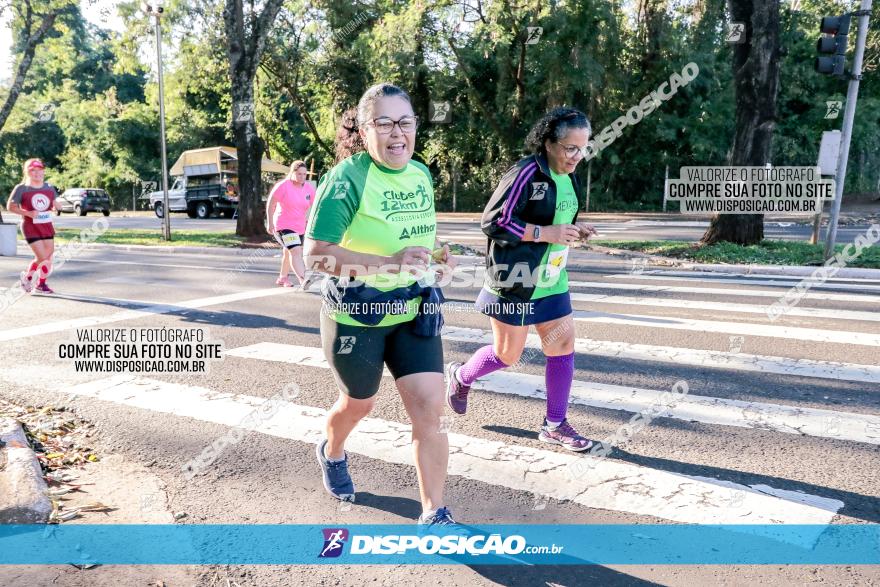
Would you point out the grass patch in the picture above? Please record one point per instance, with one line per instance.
(767, 252)
(179, 238)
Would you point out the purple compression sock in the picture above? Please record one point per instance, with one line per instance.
(558, 376)
(482, 362)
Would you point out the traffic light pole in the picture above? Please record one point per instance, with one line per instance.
(852, 95)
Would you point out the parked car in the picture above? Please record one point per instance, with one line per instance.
(81, 201)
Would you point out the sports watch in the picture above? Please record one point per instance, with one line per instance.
(536, 234)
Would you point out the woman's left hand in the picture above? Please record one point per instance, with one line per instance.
(586, 230)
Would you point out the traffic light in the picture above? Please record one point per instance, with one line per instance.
(838, 28)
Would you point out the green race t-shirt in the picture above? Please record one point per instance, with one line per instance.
(369, 208)
(554, 277)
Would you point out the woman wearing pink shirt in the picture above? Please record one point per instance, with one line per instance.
(287, 211)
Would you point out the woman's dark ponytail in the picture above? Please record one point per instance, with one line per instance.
(348, 139)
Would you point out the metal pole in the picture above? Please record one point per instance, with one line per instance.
(817, 224)
(852, 95)
(589, 178)
(665, 188)
(166, 218)
(454, 186)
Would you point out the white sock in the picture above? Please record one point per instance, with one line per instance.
(552, 425)
(326, 456)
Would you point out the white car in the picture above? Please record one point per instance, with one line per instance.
(176, 198)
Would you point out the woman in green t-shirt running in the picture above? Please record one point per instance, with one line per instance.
(373, 222)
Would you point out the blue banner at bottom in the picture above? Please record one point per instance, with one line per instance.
(623, 544)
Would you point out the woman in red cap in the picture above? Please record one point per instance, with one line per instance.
(34, 199)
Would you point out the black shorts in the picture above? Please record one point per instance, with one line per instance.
(524, 313)
(34, 239)
(288, 238)
(357, 354)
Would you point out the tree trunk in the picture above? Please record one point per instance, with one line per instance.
(756, 82)
(245, 49)
(32, 39)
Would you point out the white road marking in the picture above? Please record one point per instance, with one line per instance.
(713, 291)
(725, 307)
(781, 281)
(149, 309)
(744, 328)
(695, 357)
(708, 410)
(607, 484)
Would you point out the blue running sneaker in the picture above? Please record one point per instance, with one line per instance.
(439, 517)
(337, 481)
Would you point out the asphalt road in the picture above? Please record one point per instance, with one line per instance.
(781, 422)
(467, 232)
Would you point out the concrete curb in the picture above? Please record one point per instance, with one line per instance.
(23, 497)
(781, 270)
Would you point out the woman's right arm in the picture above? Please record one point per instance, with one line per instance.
(331, 258)
(271, 204)
(16, 208)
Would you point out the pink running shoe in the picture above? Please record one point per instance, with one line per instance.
(26, 284)
(566, 436)
(43, 288)
(283, 281)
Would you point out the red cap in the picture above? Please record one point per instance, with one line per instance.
(36, 164)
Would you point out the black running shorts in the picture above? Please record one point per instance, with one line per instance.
(357, 354)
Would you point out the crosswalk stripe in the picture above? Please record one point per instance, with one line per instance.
(744, 328)
(608, 484)
(695, 357)
(725, 307)
(719, 278)
(709, 410)
(149, 309)
(723, 291)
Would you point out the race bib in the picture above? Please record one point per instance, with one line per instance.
(556, 261)
(43, 218)
(289, 239)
